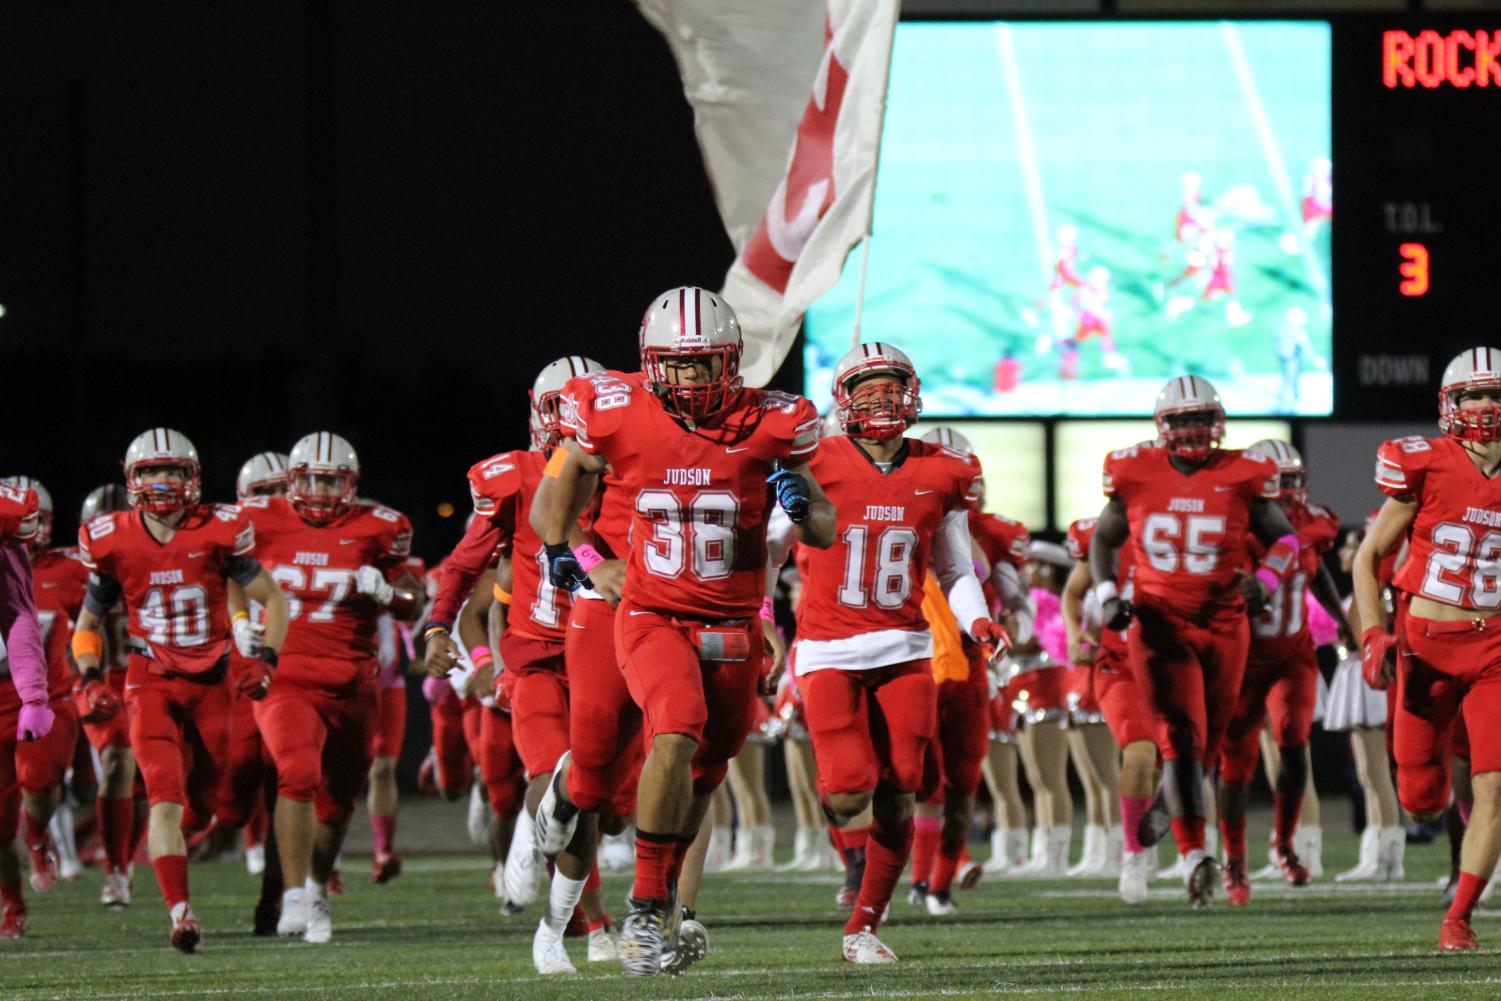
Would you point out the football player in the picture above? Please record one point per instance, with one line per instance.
(341, 563)
(1281, 682)
(19, 627)
(169, 559)
(31, 772)
(1127, 713)
(698, 451)
(121, 805)
(1444, 498)
(394, 653)
(1188, 508)
(863, 646)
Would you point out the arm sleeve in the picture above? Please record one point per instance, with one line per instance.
(102, 595)
(463, 567)
(18, 623)
(243, 569)
(955, 569)
(1400, 465)
(779, 540)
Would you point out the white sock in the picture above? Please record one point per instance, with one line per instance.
(562, 897)
(179, 911)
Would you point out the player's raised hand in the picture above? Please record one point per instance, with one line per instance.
(792, 493)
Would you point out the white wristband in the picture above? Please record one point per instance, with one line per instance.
(1103, 592)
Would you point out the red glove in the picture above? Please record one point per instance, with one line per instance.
(1376, 646)
(502, 692)
(992, 632)
(255, 680)
(97, 702)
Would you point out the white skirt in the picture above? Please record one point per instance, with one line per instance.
(1352, 702)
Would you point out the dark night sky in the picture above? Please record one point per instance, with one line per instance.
(254, 221)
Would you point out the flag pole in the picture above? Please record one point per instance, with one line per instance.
(875, 167)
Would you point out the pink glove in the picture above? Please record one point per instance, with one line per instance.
(34, 722)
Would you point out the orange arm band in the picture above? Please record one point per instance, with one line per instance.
(87, 643)
(555, 464)
(501, 594)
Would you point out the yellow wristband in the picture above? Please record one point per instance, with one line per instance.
(501, 594)
(237, 616)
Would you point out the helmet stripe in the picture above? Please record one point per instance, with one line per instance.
(698, 312)
(682, 311)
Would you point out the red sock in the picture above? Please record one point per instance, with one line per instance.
(1286, 819)
(679, 854)
(117, 820)
(591, 881)
(925, 832)
(383, 830)
(943, 873)
(1188, 832)
(654, 854)
(10, 895)
(885, 857)
(172, 877)
(1466, 896)
(603, 922)
(1133, 808)
(36, 832)
(1234, 833)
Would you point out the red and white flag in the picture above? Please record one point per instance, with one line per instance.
(788, 98)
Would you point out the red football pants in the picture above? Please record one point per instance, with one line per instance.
(248, 768)
(500, 763)
(1452, 668)
(1127, 712)
(537, 684)
(710, 702)
(179, 730)
(1283, 688)
(36, 766)
(872, 726)
(604, 723)
(450, 743)
(963, 729)
(115, 731)
(391, 722)
(317, 719)
(1190, 673)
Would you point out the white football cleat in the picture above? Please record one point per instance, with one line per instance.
(867, 950)
(320, 923)
(1136, 873)
(548, 954)
(293, 920)
(116, 890)
(602, 947)
(477, 820)
(940, 905)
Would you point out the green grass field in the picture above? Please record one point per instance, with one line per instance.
(998, 135)
(435, 933)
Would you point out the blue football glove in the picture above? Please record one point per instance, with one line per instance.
(563, 569)
(792, 494)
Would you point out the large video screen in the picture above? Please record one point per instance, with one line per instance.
(1068, 214)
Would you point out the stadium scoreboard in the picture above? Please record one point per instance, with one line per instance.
(1417, 143)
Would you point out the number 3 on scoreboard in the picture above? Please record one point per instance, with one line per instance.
(1414, 269)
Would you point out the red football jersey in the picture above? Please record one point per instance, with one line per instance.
(315, 565)
(698, 524)
(1077, 541)
(1283, 622)
(173, 590)
(503, 487)
(18, 513)
(872, 577)
(1001, 539)
(1454, 543)
(1189, 532)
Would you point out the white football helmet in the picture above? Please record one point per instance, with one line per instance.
(1290, 468)
(315, 460)
(156, 448)
(547, 393)
(692, 322)
(43, 537)
(1190, 418)
(873, 410)
(949, 438)
(263, 473)
(1475, 369)
(104, 500)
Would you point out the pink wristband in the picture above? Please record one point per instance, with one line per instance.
(588, 557)
(481, 656)
(766, 610)
(1268, 578)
